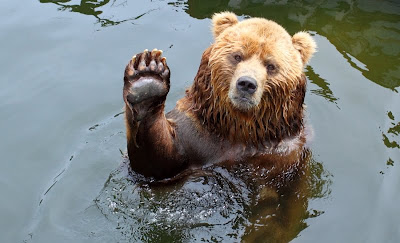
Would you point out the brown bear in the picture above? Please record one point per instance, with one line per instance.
(245, 104)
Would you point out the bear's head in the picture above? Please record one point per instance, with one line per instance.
(251, 84)
(253, 58)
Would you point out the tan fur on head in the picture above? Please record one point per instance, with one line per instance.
(221, 21)
(305, 44)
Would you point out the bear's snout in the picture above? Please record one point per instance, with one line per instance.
(244, 93)
(246, 84)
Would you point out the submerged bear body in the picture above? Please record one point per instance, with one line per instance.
(245, 104)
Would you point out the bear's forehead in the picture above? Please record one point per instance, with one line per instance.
(259, 32)
(262, 28)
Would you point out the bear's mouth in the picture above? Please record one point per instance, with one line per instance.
(244, 99)
(242, 102)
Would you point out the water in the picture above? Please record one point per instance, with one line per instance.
(62, 175)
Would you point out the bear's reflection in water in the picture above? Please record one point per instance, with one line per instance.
(216, 204)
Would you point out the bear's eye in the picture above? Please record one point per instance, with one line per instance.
(238, 57)
(270, 67)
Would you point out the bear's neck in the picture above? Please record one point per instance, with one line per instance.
(269, 123)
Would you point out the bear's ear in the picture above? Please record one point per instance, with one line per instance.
(305, 44)
(221, 21)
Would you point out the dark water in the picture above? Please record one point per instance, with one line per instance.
(62, 175)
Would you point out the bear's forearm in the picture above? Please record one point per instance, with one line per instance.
(152, 146)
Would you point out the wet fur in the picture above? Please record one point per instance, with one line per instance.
(205, 128)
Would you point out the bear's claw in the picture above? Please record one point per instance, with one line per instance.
(147, 63)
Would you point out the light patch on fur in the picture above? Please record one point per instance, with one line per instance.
(288, 145)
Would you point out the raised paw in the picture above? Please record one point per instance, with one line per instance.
(146, 83)
(147, 64)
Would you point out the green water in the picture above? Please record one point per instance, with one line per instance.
(62, 176)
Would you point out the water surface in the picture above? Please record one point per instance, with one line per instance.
(62, 175)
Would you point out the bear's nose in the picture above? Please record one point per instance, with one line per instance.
(246, 84)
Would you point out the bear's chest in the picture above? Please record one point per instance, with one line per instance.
(199, 147)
